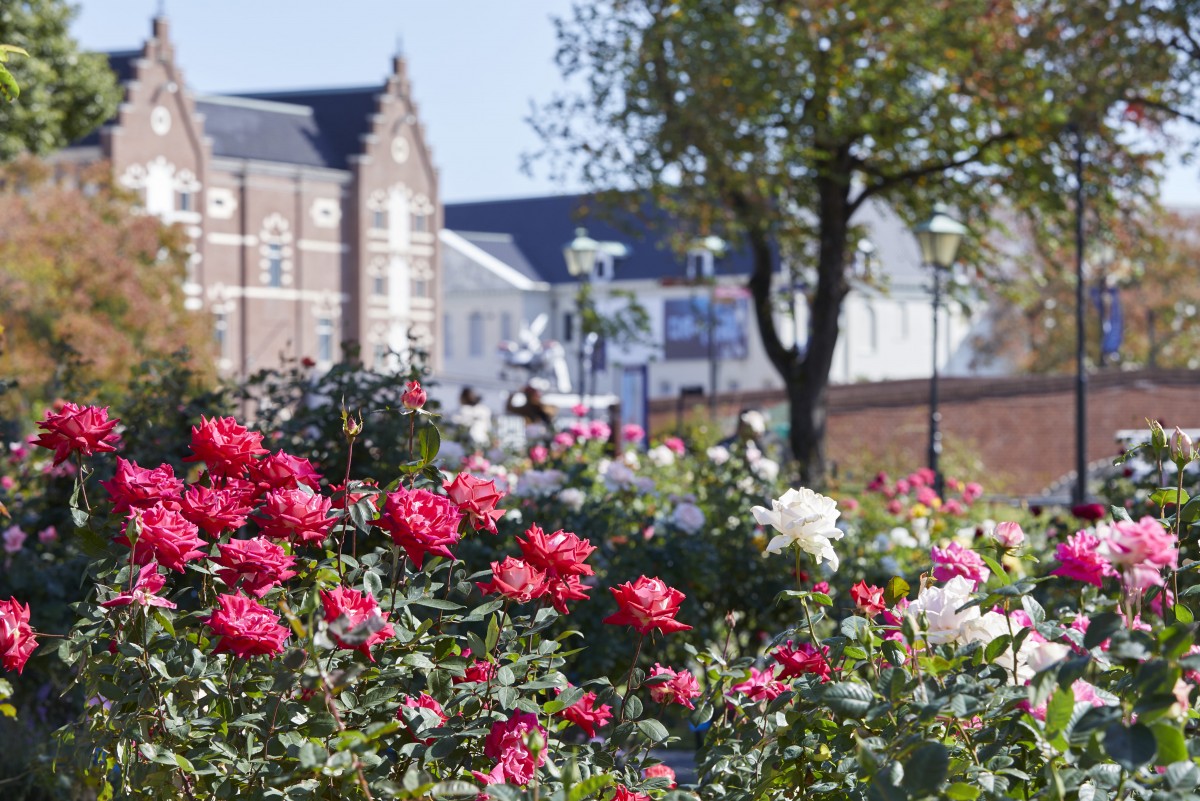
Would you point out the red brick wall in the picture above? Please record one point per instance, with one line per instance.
(1021, 427)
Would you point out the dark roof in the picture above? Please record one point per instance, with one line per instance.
(541, 226)
(253, 129)
(343, 116)
(502, 247)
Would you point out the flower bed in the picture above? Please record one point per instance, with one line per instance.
(256, 628)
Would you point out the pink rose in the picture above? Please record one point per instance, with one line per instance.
(14, 538)
(579, 410)
(297, 514)
(246, 628)
(142, 593)
(955, 560)
(214, 510)
(414, 396)
(587, 714)
(680, 687)
(805, 658)
(48, 535)
(632, 432)
(74, 429)
(675, 444)
(516, 580)
(358, 608)
(162, 535)
(1144, 541)
(598, 429)
(421, 523)
(1008, 534)
(647, 604)
(507, 744)
(538, 454)
(225, 446)
(284, 471)
(476, 500)
(17, 641)
(661, 771)
(134, 486)
(254, 565)
(423, 701)
(7, 482)
(1081, 560)
(761, 686)
(868, 599)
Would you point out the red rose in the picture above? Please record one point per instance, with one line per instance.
(225, 446)
(679, 688)
(646, 604)
(421, 522)
(414, 396)
(761, 686)
(476, 500)
(86, 430)
(295, 514)
(284, 471)
(255, 565)
(162, 535)
(625, 794)
(133, 485)
(587, 714)
(358, 608)
(515, 579)
(246, 628)
(561, 553)
(148, 582)
(565, 588)
(868, 599)
(17, 642)
(805, 658)
(507, 743)
(215, 510)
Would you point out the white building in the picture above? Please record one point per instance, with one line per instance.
(503, 266)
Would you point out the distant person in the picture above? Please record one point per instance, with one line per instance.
(474, 416)
(527, 402)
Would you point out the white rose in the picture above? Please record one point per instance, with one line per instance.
(718, 454)
(943, 622)
(804, 518)
(688, 517)
(572, 498)
(1042, 655)
(661, 456)
(766, 469)
(618, 476)
(901, 537)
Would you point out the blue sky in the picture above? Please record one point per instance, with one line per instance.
(476, 67)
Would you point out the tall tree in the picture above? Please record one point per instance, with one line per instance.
(65, 94)
(88, 288)
(773, 122)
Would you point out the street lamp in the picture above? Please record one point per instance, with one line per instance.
(581, 254)
(714, 247)
(939, 237)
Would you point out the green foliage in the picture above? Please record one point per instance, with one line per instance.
(66, 93)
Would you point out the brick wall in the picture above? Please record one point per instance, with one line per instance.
(1021, 427)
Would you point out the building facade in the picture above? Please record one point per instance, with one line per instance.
(312, 214)
(887, 321)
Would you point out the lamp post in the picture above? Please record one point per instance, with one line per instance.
(580, 254)
(715, 247)
(1079, 494)
(939, 237)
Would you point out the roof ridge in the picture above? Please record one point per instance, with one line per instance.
(256, 104)
(328, 90)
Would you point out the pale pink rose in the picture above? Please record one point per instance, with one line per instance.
(14, 538)
(1140, 542)
(1008, 534)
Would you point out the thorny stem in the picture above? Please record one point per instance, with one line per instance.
(412, 431)
(804, 602)
(346, 505)
(1178, 546)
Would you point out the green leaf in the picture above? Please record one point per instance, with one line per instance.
(590, 786)
(372, 583)
(1120, 513)
(927, 768)
(1183, 775)
(429, 441)
(653, 730)
(493, 636)
(1183, 614)
(454, 789)
(1101, 627)
(11, 91)
(996, 647)
(961, 792)
(1131, 747)
(633, 707)
(1032, 608)
(1059, 711)
(896, 589)
(997, 569)
(848, 698)
(1171, 745)
(1168, 496)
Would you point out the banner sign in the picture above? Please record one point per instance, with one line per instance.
(687, 322)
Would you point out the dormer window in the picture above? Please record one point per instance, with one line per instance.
(699, 264)
(604, 268)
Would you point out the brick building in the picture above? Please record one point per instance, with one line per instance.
(313, 214)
